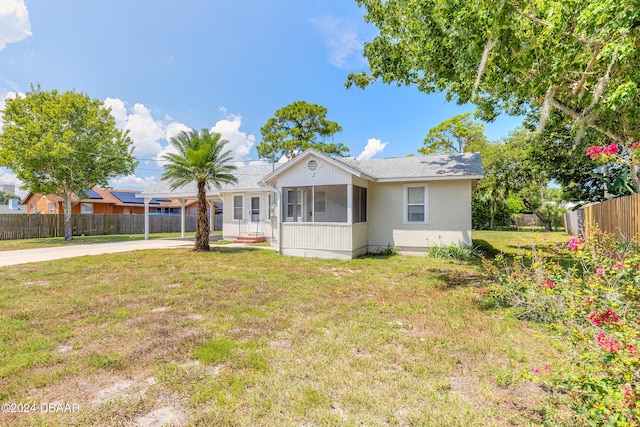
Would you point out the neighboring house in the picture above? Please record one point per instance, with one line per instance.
(98, 201)
(13, 208)
(319, 206)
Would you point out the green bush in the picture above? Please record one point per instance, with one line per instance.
(388, 251)
(593, 308)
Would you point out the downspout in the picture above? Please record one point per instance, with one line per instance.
(279, 209)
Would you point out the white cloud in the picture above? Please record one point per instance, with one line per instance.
(373, 147)
(118, 111)
(145, 131)
(240, 143)
(173, 129)
(8, 177)
(14, 22)
(133, 182)
(343, 41)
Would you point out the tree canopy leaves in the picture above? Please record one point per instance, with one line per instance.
(581, 58)
(453, 135)
(295, 128)
(64, 144)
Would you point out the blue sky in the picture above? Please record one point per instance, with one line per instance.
(164, 66)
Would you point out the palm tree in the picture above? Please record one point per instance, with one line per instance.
(200, 159)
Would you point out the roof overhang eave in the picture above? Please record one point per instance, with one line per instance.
(431, 178)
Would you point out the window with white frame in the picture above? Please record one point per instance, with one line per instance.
(52, 208)
(297, 202)
(415, 204)
(86, 208)
(238, 204)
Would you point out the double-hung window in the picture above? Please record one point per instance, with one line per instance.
(86, 208)
(238, 203)
(415, 204)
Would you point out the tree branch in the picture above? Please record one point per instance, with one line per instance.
(586, 72)
(536, 20)
(577, 115)
(531, 17)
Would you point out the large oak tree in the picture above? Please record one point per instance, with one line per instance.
(579, 57)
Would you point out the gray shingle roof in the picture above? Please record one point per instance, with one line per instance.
(416, 167)
(390, 169)
(248, 178)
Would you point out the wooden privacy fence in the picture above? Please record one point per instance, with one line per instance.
(24, 226)
(620, 217)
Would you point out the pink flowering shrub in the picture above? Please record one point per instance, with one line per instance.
(613, 153)
(610, 149)
(594, 152)
(593, 308)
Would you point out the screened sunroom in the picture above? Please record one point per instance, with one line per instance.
(324, 204)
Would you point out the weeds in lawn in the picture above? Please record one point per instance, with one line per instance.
(246, 337)
(454, 252)
(388, 251)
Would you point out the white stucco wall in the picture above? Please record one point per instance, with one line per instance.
(449, 216)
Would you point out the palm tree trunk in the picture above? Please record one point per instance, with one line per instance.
(202, 220)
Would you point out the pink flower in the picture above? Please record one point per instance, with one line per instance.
(538, 369)
(628, 395)
(589, 300)
(633, 349)
(575, 244)
(600, 271)
(607, 317)
(609, 344)
(635, 145)
(549, 284)
(611, 149)
(594, 152)
(618, 265)
(482, 291)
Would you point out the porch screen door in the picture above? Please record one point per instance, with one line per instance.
(254, 215)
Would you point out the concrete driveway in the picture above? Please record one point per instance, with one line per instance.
(25, 256)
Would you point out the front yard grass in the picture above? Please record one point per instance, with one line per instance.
(241, 337)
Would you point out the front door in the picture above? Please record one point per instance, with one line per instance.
(254, 215)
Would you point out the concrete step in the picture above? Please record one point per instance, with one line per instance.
(250, 239)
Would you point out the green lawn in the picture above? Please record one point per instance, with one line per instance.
(242, 337)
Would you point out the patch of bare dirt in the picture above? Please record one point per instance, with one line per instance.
(522, 399)
(166, 416)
